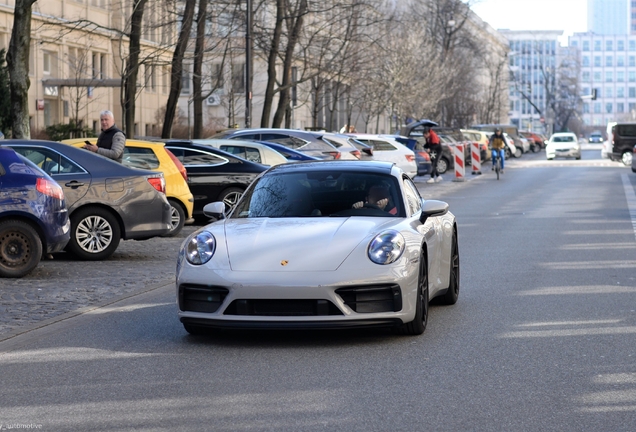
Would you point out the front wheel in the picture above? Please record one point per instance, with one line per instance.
(627, 158)
(230, 197)
(20, 248)
(418, 325)
(95, 234)
(518, 153)
(442, 165)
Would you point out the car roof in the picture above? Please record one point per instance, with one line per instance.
(337, 165)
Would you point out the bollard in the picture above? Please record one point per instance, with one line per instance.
(458, 153)
(475, 157)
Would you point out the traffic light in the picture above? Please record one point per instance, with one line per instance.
(594, 94)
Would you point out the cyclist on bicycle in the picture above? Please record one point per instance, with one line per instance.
(497, 143)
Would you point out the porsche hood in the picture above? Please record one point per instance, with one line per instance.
(295, 244)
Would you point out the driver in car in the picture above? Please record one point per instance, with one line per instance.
(378, 197)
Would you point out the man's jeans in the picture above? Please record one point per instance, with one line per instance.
(502, 155)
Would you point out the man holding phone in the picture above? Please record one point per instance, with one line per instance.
(111, 141)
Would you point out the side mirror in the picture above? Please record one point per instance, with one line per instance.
(215, 210)
(433, 208)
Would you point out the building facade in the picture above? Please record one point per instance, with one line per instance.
(610, 17)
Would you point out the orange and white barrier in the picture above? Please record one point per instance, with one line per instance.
(458, 154)
(475, 157)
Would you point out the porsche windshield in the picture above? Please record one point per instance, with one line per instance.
(321, 194)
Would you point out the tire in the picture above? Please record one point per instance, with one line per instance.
(20, 248)
(518, 153)
(451, 296)
(508, 153)
(177, 219)
(194, 330)
(95, 234)
(626, 158)
(418, 325)
(230, 197)
(442, 165)
(536, 148)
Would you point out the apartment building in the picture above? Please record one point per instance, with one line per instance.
(77, 60)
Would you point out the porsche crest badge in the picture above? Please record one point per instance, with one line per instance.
(284, 262)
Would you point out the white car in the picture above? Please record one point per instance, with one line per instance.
(388, 149)
(563, 144)
(321, 244)
(253, 152)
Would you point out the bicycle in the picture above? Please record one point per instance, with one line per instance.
(497, 164)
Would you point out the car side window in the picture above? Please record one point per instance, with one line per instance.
(286, 140)
(251, 154)
(249, 137)
(382, 145)
(194, 157)
(49, 161)
(413, 197)
(139, 157)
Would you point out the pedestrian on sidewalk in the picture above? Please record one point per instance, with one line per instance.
(111, 141)
(434, 148)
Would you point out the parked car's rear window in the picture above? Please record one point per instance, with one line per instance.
(139, 157)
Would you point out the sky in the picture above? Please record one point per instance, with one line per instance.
(567, 15)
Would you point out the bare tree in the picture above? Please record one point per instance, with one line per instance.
(18, 65)
(132, 68)
(199, 51)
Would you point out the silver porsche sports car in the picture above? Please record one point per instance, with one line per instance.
(321, 244)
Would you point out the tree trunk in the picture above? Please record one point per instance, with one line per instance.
(271, 63)
(18, 65)
(132, 69)
(197, 97)
(296, 26)
(177, 69)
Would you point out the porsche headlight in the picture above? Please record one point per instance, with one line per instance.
(386, 248)
(200, 248)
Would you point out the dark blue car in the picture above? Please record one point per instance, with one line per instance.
(33, 215)
(289, 153)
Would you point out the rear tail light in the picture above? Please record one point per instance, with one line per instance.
(335, 155)
(424, 155)
(410, 157)
(356, 153)
(179, 165)
(158, 182)
(49, 188)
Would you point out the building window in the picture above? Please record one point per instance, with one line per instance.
(586, 108)
(631, 106)
(620, 45)
(620, 92)
(597, 107)
(238, 78)
(597, 45)
(586, 61)
(609, 61)
(218, 81)
(620, 76)
(185, 80)
(632, 45)
(46, 63)
(597, 76)
(608, 107)
(620, 61)
(632, 92)
(586, 77)
(632, 76)
(609, 45)
(620, 107)
(586, 45)
(597, 61)
(608, 92)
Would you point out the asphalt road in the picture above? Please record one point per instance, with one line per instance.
(542, 338)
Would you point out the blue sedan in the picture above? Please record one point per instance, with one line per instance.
(33, 215)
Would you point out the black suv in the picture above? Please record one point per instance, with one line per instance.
(623, 141)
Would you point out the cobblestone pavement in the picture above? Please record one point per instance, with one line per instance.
(63, 284)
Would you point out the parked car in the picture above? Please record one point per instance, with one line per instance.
(422, 157)
(512, 151)
(595, 137)
(290, 154)
(563, 144)
(248, 150)
(33, 215)
(481, 138)
(107, 201)
(305, 252)
(347, 150)
(214, 175)
(634, 160)
(388, 149)
(537, 142)
(622, 142)
(521, 144)
(154, 156)
(307, 142)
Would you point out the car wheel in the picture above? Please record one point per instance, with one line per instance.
(418, 325)
(451, 296)
(20, 248)
(578, 157)
(230, 197)
(627, 158)
(508, 153)
(194, 330)
(518, 153)
(177, 219)
(442, 165)
(95, 234)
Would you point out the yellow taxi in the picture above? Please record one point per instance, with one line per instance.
(154, 156)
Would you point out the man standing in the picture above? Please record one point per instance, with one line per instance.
(435, 149)
(111, 141)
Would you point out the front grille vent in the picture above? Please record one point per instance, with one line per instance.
(201, 298)
(372, 298)
(284, 307)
